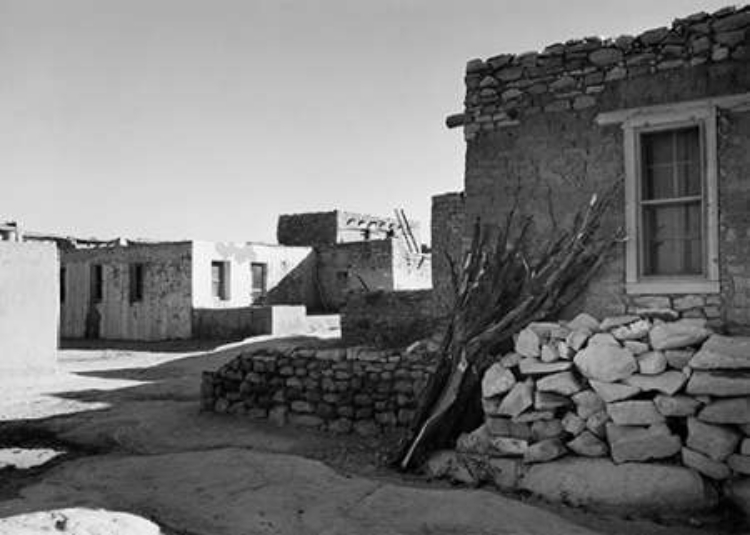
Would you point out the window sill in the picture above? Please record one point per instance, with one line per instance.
(656, 287)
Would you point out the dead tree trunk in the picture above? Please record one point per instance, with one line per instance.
(503, 285)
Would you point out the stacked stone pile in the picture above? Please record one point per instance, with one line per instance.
(336, 389)
(645, 387)
(572, 75)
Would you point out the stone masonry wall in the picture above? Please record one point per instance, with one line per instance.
(530, 125)
(334, 389)
(627, 389)
(448, 227)
(388, 319)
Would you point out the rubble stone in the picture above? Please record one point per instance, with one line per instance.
(597, 423)
(727, 411)
(497, 380)
(587, 403)
(617, 321)
(545, 451)
(706, 466)
(531, 366)
(652, 363)
(606, 363)
(549, 353)
(563, 383)
(631, 443)
(588, 445)
(603, 339)
(719, 383)
(528, 343)
(718, 442)
(739, 464)
(584, 321)
(610, 392)
(549, 401)
(678, 358)
(723, 352)
(636, 347)
(573, 424)
(668, 382)
(543, 429)
(677, 334)
(520, 398)
(634, 412)
(578, 338)
(634, 331)
(676, 405)
(508, 446)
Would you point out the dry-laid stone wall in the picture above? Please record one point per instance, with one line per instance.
(342, 390)
(573, 75)
(634, 388)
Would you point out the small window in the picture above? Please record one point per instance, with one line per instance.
(672, 203)
(220, 280)
(260, 281)
(97, 283)
(63, 284)
(135, 276)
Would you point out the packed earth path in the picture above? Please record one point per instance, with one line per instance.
(136, 444)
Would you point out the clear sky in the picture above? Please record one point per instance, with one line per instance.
(176, 119)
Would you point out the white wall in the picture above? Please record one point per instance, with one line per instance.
(29, 306)
(281, 262)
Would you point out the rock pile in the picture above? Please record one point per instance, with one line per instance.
(634, 388)
(573, 75)
(335, 389)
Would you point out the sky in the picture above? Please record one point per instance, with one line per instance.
(187, 119)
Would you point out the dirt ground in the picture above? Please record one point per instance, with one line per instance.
(128, 417)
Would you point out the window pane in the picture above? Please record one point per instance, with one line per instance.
(671, 163)
(673, 243)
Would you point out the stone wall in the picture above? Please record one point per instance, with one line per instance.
(335, 389)
(309, 229)
(530, 125)
(627, 389)
(389, 319)
(448, 229)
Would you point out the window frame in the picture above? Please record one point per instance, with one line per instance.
(136, 282)
(224, 293)
(259, 295)
(663, 120)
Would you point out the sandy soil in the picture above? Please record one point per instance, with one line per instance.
(138, 444)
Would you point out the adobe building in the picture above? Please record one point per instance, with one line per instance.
(667, 113)
(359, 253)
(178, 290)
(29, 306)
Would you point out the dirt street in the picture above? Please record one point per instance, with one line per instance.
(137, 443)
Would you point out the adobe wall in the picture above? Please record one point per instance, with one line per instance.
(388, 319)
(308, 229)
(289, 272)
(531, 134)
(355, 267)
(29, 307)
(448, 229)
(335, 389)
(165, 311)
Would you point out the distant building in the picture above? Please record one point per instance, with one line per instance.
(163, 290)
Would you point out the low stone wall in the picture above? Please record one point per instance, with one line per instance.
(630, 389)
(388, 319)
(225, 323)
(335, 389)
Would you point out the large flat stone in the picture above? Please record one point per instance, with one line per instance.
(610, 392)
(497, 380)
(520, 398)
(669, 382)
(705, 465)
(617, 321)
(632, 443)
(532, 366)
(719, 383)
(677, 334)
(606, 363)
(727, 411)
(549, 401)
(505, 427)
(633, 486)
(676, 405)
(723, 352)
(716, 441)
(641, 412)
(563, 383)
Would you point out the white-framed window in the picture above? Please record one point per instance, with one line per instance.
(671, 197)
